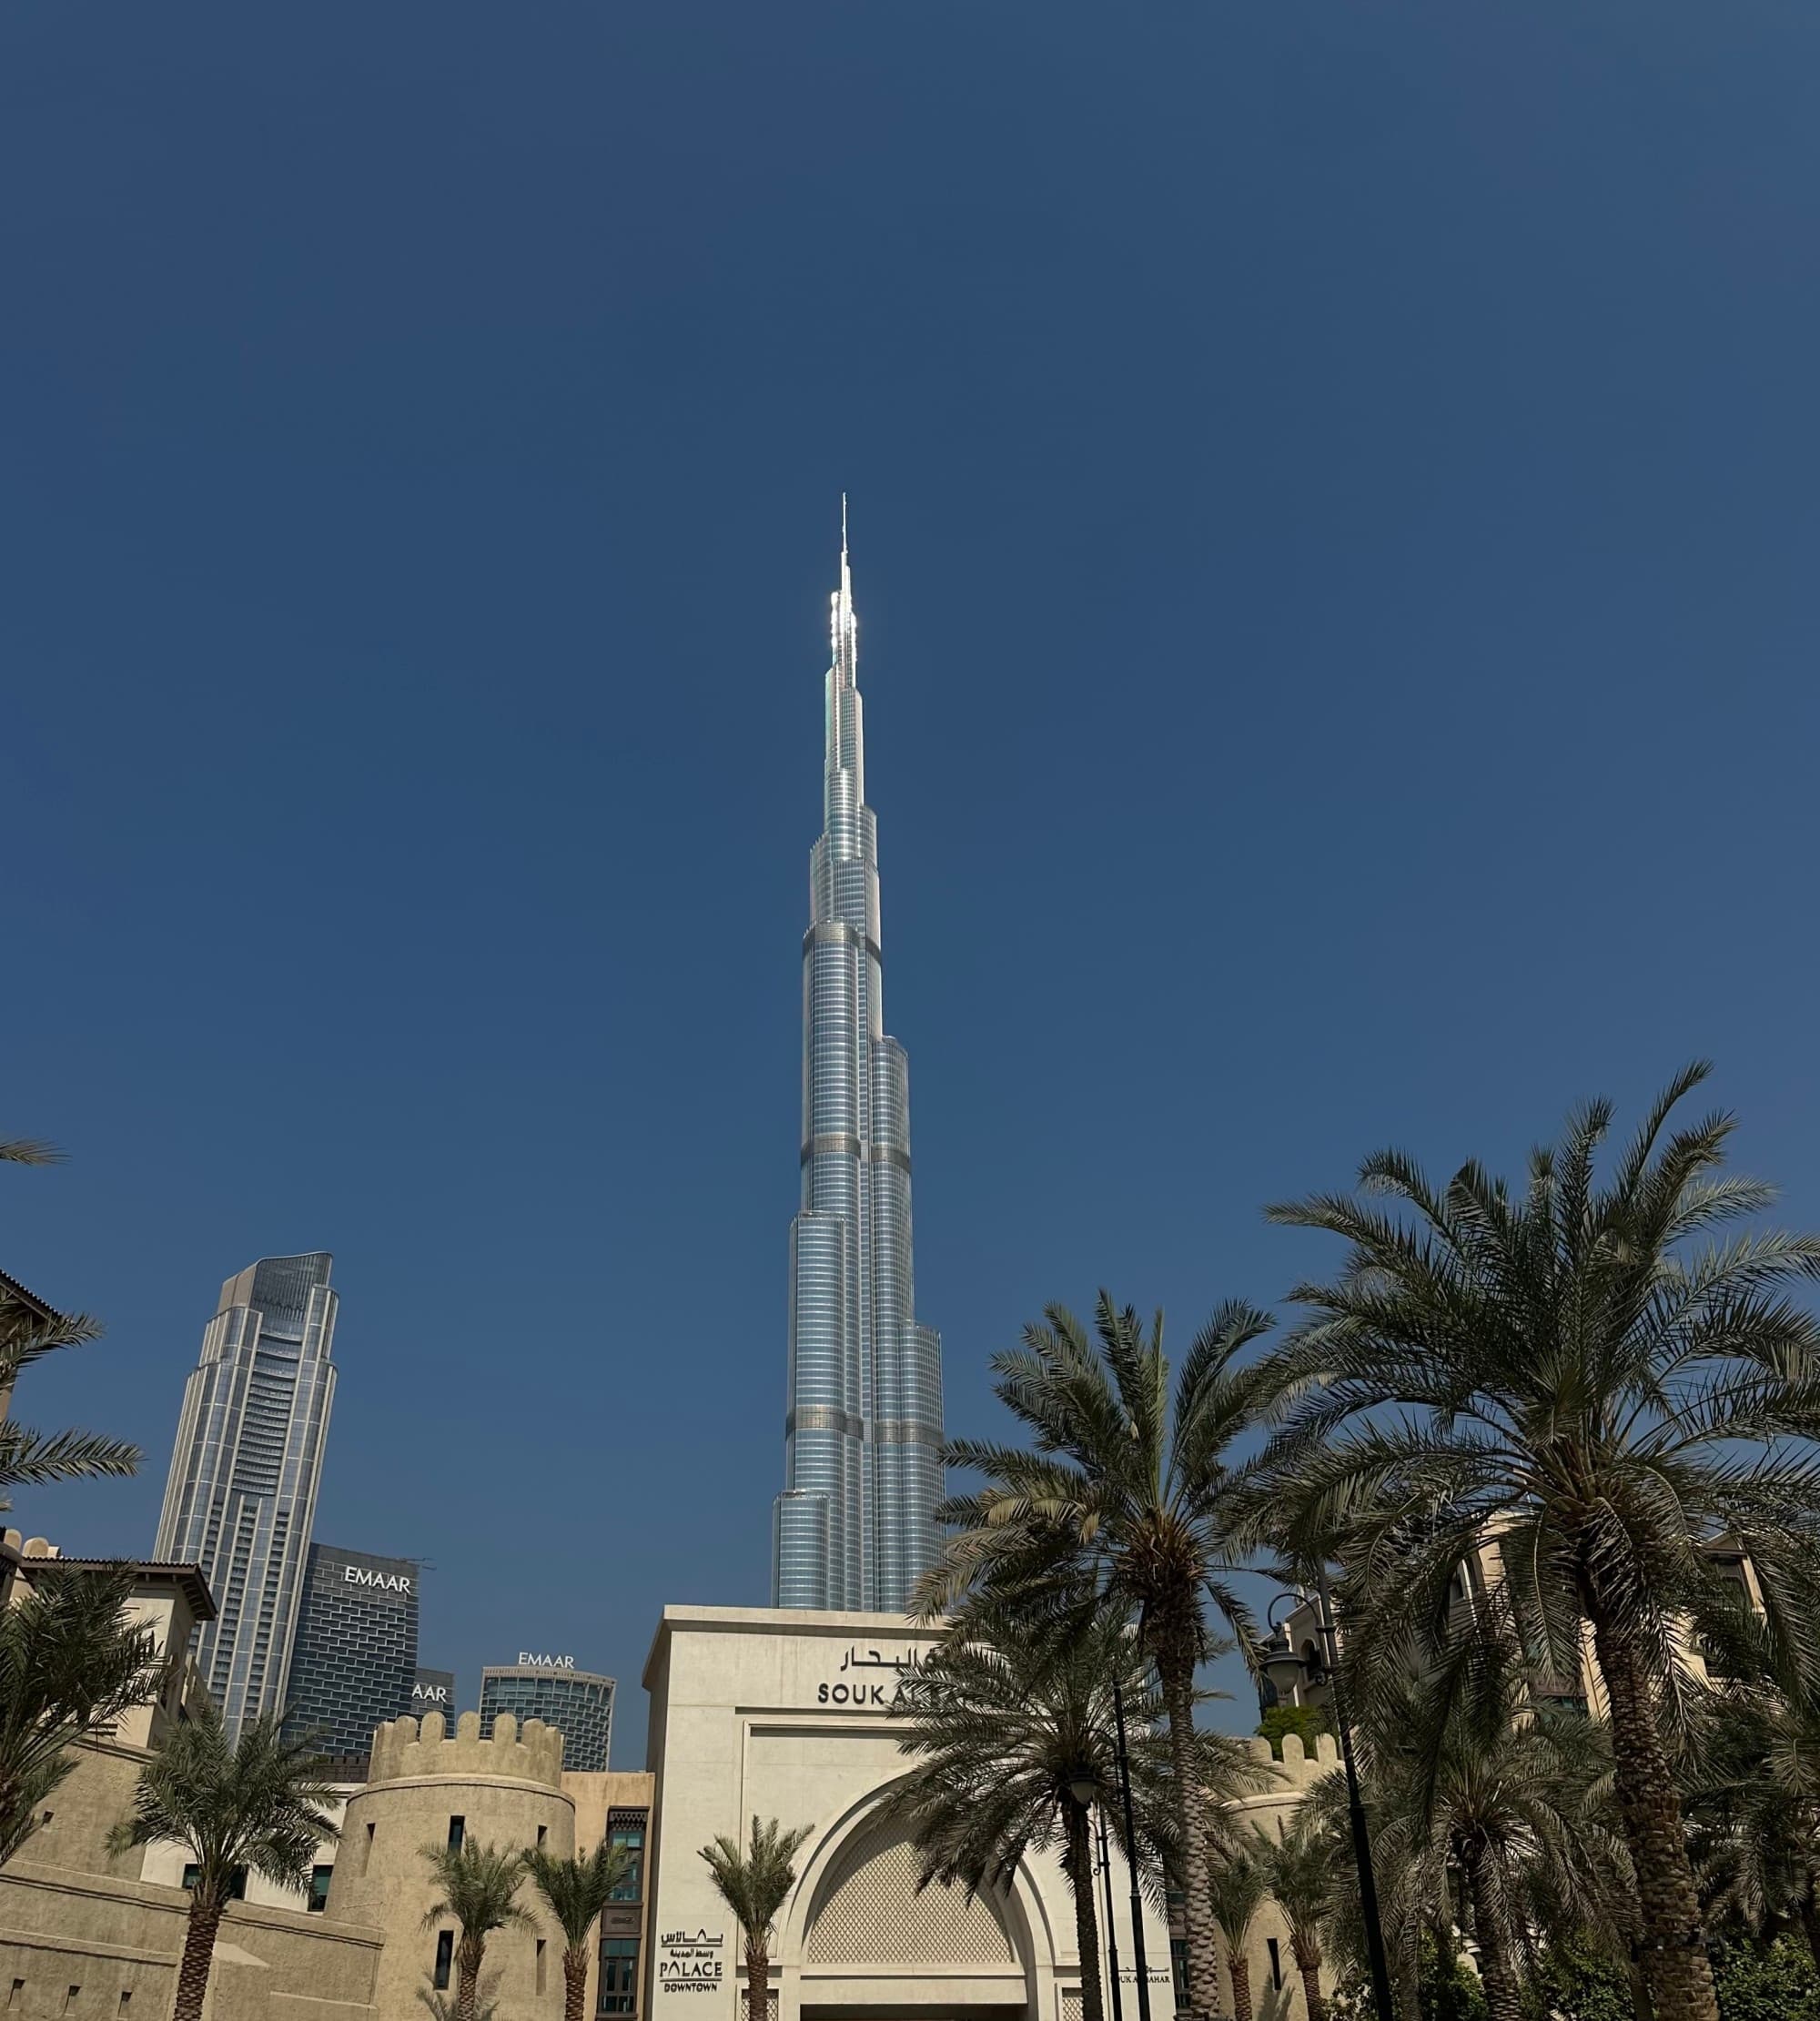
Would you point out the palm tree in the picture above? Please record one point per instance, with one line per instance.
(1753, 1786)
(1300, 1869)
(575, 1892)
(1237, 1889)
(246, 1806)
(753, 1883)
(30, 1329)
(71, 1663)
(1125, 1496)
(1470, 1774)
(1014, 1731)
(1568, 1375)
(441, 2007)
(479, 1885)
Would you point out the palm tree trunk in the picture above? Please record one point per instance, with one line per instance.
(1078, 1864)
(757, 1983)
(574, 1982)
(471, 1954)
(198, 1955)
(1175, 1671)
(1503, 2001)
(1307, 1963)
(1680, 1978)
(1240, 1966)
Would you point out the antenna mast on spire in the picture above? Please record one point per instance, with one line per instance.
(841, 626)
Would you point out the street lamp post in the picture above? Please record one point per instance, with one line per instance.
(1111, 1927)
(1355, 1805)
(1138, 1960)
(1087, 1792)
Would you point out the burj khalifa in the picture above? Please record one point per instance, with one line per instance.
(854, 1526)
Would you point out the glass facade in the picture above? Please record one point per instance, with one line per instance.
(854, 1526)
(578, 1703)
(354, 1661)
(240, 1501)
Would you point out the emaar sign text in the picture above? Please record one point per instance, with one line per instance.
(387, 1582)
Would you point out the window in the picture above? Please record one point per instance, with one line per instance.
(125, 1999)
(318, 1888)
(1275, 1949)
(542, 1834)
(540, 1967)
(71, 1997)
(629, 1831)
(367, 1850)
(619, 1976)
(1178, 1971)
(12, 1998)
(236, 1887)
(458, 1831)
(445, 1957)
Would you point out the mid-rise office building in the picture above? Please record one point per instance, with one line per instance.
(354, 1663)
(855, 1524)
(433, 1690)
(577, 1702)
(241, 1497)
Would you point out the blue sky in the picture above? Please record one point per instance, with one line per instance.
(1334, 514)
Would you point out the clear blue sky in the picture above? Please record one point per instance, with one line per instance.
(1334, 517)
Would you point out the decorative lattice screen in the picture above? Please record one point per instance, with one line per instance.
(876, 1916)
(1071, 2003)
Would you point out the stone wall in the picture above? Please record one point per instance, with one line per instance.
(507, 1791)
(99, 1948)
(1273, 1810)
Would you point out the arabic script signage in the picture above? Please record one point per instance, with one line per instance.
(690, 1961)
(860, 1693)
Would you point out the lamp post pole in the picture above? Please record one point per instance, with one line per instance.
(1111, 1927)
(1355, 1805)
(1138, 1960)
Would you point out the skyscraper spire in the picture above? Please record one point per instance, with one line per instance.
(843, 629)
(854, 1526)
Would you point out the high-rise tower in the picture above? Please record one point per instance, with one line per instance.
(854, 1526)
(241, 1495)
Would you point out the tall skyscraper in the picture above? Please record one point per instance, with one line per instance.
(855, 1525)
(242, 1496)
(354, 1661)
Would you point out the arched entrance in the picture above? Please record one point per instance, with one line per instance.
(861, 1943)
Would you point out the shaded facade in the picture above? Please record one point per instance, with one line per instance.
(353, 1665)
(854, 1526)
(240, 1501)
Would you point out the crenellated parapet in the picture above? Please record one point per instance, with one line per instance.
(410, 1749)
(1298, 1768)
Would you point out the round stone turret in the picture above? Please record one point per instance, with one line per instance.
(427, 1788)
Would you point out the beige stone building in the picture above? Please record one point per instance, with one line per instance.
(760, 1711)
(89, 1934)
(787, 1715)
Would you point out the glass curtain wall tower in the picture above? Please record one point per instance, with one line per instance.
(241, 1497)
(855, 1525)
